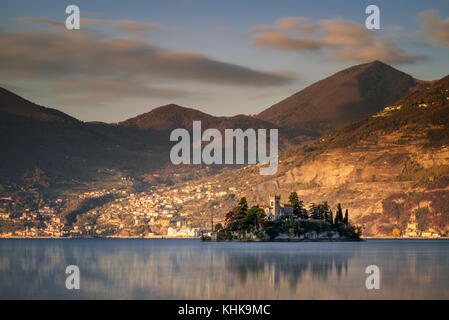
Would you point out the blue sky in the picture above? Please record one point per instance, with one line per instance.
(210, 55)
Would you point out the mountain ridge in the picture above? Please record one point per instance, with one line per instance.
(341, 98)
(45, 138)
(14, 105)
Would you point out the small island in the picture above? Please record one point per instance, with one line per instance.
(291, 222)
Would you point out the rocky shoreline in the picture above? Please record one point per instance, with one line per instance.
(311, 236)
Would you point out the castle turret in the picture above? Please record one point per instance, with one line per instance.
(275, 206)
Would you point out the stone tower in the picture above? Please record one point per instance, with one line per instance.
(275, 206)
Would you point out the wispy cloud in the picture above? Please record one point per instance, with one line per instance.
(435, 27)
(90, 69)
(42, 20)
(131, 27)
(301, 25)
(347, 40)
(85, 92)
(62, 54)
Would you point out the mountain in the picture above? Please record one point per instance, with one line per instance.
(12, 105)
(42, 146)
(43, 142)
(172, 116)
(168, 118)
(383, 168)
(344, 97)
(45, 147)
(326, 105)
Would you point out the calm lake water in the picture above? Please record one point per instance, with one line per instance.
(190, 269)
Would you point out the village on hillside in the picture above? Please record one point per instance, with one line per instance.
(181, 211)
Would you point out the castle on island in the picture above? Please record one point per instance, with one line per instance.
(274, 210)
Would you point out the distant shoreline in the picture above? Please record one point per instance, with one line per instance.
(159, 237)
(199, 238)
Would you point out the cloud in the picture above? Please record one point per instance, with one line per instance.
(346, 40)
(341, 33)
(42, 20)
(435, 27)
(128, 26)
(300, 25)
(281, 41)
(61, 55)
(98, 91)
(354, 42)
(383, 51)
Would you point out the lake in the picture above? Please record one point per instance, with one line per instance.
(190, 269)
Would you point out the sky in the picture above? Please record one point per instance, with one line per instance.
(220, 57)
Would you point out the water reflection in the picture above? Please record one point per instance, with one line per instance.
(293, 266)
(189, 269)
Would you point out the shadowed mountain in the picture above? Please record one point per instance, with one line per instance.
(12, 105)
(44, 144)
(172, 116)
(168, 118)
(344, 97)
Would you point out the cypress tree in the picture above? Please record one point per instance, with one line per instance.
(293, 198)
(242, 206)
(315, 211)
(339, 215)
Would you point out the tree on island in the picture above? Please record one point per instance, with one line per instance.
(331, 218)
(243, 205)
(346, 219)
(320, 211)
(240, 213)
(243, 219)
(293, 199)
(299, 211)
(324, 210)
(339, 214)
(314, 211)
(230, 222)
(254, 219)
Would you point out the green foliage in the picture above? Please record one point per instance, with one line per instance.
(254, 219)
(339, 214)
(346, 218)
(320, 211)
(243, 205)
(330, 219)
(243, 220)
(299, 211)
